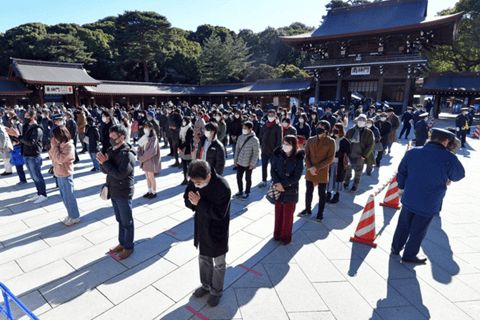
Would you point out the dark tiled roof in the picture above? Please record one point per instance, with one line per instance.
(43, 72)
(276, 86)
(373, 18)
(12, 86)
(143, 88)
(453, 82)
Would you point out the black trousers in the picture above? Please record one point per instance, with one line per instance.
(462, 135)
(407, 128)
(240, 171)
(185, 164)
(321, 195)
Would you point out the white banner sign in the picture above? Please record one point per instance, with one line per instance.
(360, 71)
(58, 90)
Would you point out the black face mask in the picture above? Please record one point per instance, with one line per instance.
(335, 131)
(113, 142)
(320, 131)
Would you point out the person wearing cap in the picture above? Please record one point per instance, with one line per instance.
(425, 185)
(407, 119)
(421, 130)
(371, 112)
(361, 152)
(395, 122)
(417, 113)
(461, 124)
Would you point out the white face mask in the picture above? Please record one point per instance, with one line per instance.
(201, 186)
(283, 113)
(104, 119)
(383, 118)
(225, 117)
(237, 116)
(314, 116)
(184, 123)
(271, 119)
(245, 131)
(208, 134)
(287, 148)
(301, 120)
(369, 125)
(146, 131)
(218, 118)
(285, 124)
(61, 123)
(361, 124)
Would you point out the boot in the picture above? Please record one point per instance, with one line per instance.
(329, 195)
(335, 198)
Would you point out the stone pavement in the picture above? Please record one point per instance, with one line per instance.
(64, 273)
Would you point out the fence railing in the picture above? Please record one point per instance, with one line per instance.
(6, 310)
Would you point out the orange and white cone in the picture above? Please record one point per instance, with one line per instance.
(366, 227)
(476, 135)
(392, 199)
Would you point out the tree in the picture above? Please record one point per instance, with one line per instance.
(464, 54)
(290, 71)
(223, 61)
(140, 38)
(206, 30)
(62, 48)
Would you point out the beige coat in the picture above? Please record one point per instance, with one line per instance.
(149, 156)
(62, 156)
(319, 153)
(393, 119)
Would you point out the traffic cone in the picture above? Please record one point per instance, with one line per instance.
(366, 227)
(476, 135)
(392, 199)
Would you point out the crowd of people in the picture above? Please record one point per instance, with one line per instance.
(293, 142)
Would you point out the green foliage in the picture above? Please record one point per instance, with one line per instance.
(62, 48)
(205, 31)
(464, 54)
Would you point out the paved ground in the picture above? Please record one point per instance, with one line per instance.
(63, 273)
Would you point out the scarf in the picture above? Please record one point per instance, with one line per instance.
(270, 124)
(356, 136)
(143, 141)
(183, 131)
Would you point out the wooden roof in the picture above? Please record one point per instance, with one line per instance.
(12, 86)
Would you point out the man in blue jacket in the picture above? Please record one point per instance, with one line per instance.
(424, 174)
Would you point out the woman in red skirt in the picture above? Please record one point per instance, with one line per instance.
(287, 169)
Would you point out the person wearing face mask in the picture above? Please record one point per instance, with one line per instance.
(208, 196)
(185, 148)
(421, 130)
(371, 112)
(31, 141)
(462, 127)
(395, 122)
(314, 119)
(71, 126)
(303, 130)
(362, 142)
(156, 125)
(81, 123)
(199, 126)
(270, 139)
(5, 147)
(164, 127)
(407, 119)
(148, 155)
(246, 157)
(107, 124)
(210, 149)
(286, 171)
(259, 112)
(288, 129)
(377, 147)
(119, 166)
(328, 116)
(174, 124)
(417, 113)
(319, 154)
(385, 129)
(93, 135)
(222, 130)
(235, 131)
(337, 168)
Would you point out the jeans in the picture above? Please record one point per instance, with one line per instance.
(356, 165)
(93, 156)
(34, 165)
(411, 230)
(240, 171)
(321, 195)
(21, 173)
(265, 160)
(212, 276)
(65, 184)
(234, 146)
(123, 215)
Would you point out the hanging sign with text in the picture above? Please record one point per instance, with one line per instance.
(56, 90)
(360, 71)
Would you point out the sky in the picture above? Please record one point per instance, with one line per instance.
(255, 15)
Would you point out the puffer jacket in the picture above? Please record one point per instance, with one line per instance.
(247, 155)
(270, 138)
(120, 171)
(215, 154)
(288, 173)
(62, 156)
(16, 153)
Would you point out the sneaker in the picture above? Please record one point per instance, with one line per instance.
(345, 185)
(354, 189)
(262, 184)
(200, 292)
(152, 196)
(6, 173)
(213, 300)
(184, 182)
(94, 169)
(238, 194)
(146, 195)
(305, 212)
(70, 222)
(244, 197)
(40, 199)
(21, 183)
(34, 198)
(319, 219)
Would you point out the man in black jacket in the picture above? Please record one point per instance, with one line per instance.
(421, 130)
(462, 126)
(407, 118)
(118, 164)
(271, 137)
(32, 145)
(210, 149)
(72, 128)
(208, 195)
(385, 128)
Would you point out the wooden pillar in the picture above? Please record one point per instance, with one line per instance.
(408, 92)
(338, 95)
(143, 102)
(75, 89)
(111, 100)
(317, 91)
(436, 105)
(380, 88)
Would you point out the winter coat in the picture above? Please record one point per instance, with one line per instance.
(247, 155)
(186, 145)
(176, 122)
(395, 121)
(149, 155)
(461, 121)
(421, 133)
(215, 154)
(120, 171)
(235, 128)
(367, 142)
(62, 156)
(305, 131)
(222, 130)
(5, 142)
(290, 131)
(287, 172)
(81, 122)
(319, 153)
(212, 215)
(406, 117)
(106, 137)
(32, 141)
(344, 149)
(16, 156)
(270, 138)
(385, 129)
(424, 173)
(72, 129)
(93, 138)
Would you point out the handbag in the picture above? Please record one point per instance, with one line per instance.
(272, 193)
(104, 193)
(378, 146)
(345, 161)
(86, 140)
